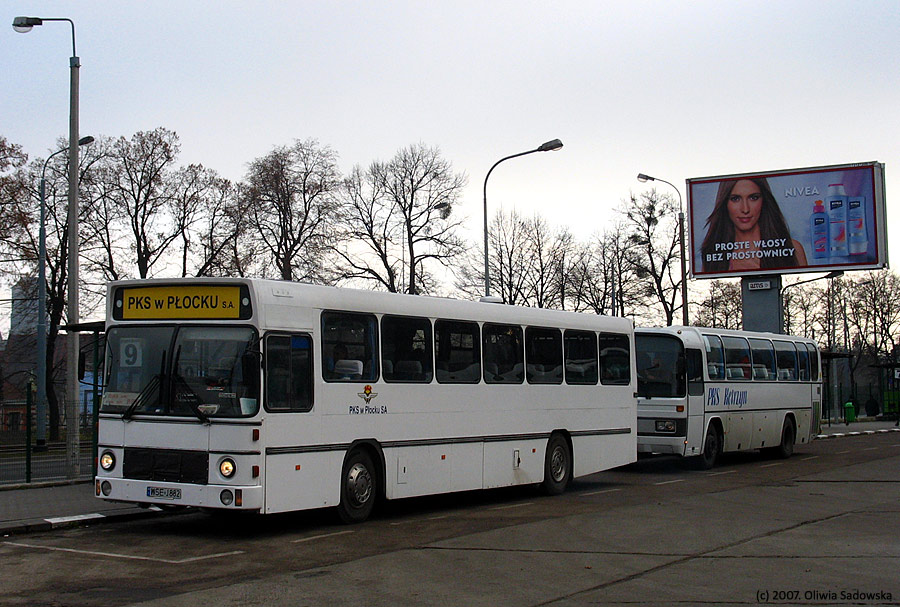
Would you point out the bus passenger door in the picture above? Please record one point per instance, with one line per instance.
(695, 405)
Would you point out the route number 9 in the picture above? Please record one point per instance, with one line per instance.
(130, 353)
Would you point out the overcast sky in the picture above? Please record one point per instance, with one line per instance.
(673, 89)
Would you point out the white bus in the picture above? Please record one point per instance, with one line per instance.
(273, 396)
(702, 392)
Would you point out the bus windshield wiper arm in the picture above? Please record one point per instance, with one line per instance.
(144, 394)
(181, 387)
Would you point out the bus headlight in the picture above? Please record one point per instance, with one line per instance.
(107, 461)
(227, 467)
(665, 425)
(226, 497)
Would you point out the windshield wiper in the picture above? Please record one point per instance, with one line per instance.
(144, 395)
(183, 393)
(181, 389)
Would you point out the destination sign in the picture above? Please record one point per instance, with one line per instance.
(206, 302)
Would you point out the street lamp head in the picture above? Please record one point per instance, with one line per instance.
(645, 178)
(23, 25)
(86, 140)
(550, 146)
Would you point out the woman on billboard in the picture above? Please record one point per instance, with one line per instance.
(747, 230)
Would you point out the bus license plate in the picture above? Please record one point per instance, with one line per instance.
(164, 493)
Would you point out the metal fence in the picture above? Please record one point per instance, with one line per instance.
(22, 460)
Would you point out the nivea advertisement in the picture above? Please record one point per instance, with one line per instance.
(784, 222)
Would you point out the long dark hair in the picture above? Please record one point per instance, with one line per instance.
(721, 229)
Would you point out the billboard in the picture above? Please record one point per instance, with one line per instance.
(784, 222)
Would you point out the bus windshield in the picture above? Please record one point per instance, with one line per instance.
(186, 371)
(660, 366)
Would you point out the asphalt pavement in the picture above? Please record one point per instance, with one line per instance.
(46, 506)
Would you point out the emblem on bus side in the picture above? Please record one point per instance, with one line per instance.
(367, 394)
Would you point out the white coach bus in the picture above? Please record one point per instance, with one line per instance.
(273, 396)
(702, 392)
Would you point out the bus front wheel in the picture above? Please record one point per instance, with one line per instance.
(359, 488)
(712, 445)
(557, 466)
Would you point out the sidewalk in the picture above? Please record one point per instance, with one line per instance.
(864, 425)
(45, 506)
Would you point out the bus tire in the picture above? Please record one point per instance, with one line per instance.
(359, 487)
(712, 447)
(557, 465)
(788, 438)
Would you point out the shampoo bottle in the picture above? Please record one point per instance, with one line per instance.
(856, 225)
(818, 231)
(836, 202)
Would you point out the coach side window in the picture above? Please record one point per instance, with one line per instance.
(803, 356)
(615, 359)
(580, 357)
(543, 356)
(288, 373)
(349, 347)
(715, 358)
(763, 359)
(786, 356)
(406, 349)
(813, 362)
(457, 349)
(503, 354)
(737, 358)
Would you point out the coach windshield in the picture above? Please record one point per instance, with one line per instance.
(198, 371)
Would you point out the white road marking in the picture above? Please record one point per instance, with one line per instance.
(677, 480)
(806, 459)
(598, 492)
(772, 464)
(318, 537)
(511, 506)
(126, 556)
(721, 473)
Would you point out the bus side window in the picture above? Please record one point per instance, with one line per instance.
(349, 347)
(458, 352)
(288, 373)
(615, 359)
(503, 354)
(694, 360)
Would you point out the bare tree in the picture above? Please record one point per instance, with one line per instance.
(421, 187)
(721, 308)
(292, 202)
(650, 222)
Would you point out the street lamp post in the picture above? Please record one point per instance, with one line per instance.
(684, 297)
(41, 404)
(549, 146)
(24, 25)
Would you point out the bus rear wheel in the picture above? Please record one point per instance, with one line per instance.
(359, 488)
(557, 466)
(786, 448)
(712, 446)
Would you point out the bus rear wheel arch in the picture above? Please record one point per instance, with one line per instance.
(788, 438)
(557, 464)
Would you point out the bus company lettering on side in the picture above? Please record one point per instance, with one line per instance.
(732, 398)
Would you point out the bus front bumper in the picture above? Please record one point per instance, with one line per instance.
(231, 497)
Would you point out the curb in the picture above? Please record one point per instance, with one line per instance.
(78, 520)
(859, 433)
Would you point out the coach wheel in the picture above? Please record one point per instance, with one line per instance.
(786, 448)
(359, 484)
(712, 444)
(557, 466)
